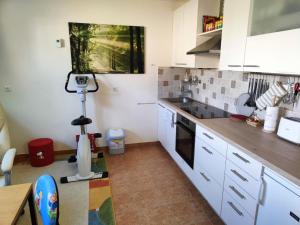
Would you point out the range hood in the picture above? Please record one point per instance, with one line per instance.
(211, 46)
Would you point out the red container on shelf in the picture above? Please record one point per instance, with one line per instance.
(41, 152)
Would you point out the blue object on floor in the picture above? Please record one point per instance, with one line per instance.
(46, 199)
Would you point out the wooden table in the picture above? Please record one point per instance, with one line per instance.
(12, 202)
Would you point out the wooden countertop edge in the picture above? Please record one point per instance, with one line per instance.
(264, 162)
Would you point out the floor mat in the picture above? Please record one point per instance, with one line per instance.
(100, 199)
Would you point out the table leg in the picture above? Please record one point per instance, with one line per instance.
(32, 209)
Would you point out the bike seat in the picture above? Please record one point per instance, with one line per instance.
(81, 121)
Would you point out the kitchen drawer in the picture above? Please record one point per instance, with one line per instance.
(210, 160)
(241, 196)
(243, 179)
(233, 213)
(245, 162)
(213, 140)
(209, 188)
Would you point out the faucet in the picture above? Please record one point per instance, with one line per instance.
(185, 91)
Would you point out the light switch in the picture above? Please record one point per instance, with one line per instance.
(60, 43)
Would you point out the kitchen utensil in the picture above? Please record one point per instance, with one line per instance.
(251, 102)
(288, 99)
(296, 91)
(277, 90)
(241, 107)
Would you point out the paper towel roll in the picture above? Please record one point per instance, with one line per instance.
(271, 119)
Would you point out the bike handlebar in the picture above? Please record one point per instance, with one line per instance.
(74, 91)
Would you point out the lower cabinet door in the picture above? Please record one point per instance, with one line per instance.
(209, 188)
(233, 213)
(280, 206)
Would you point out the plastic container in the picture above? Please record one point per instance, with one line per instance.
(116, 141)
(41, 152)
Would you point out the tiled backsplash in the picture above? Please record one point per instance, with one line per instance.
(217, 88)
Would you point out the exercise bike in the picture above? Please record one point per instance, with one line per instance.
(84, 153)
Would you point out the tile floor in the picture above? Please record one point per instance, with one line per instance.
(149, 188)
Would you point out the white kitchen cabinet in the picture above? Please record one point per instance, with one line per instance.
(162, 123)
(170, 131)
(209, 188)
(273, 39)
(233, 213)
(274, 52)
(234, 35)
(184, 34)
(213, 140)
(280, 203)
(207, 157)
(166, 128)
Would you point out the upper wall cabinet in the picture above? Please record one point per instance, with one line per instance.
(187, 23)
(273, 44)
(236, 14)
(261, 36)
(184, 34)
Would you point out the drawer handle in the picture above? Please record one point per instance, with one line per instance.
(294, 216)
(208, 151)
(210, 137)
(235, 209)
(251, 66)
(237, 192)
(161, 106)
(234, 66)
(180, 64)
(239, 175)
(205, 177)
(241, 157)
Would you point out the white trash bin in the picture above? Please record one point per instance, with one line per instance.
(116, 141)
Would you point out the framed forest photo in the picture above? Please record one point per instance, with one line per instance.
(102, 48)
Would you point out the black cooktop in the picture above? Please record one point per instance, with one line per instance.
(199, 109)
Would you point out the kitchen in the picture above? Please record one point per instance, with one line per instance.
(242, 156)
(187, 112)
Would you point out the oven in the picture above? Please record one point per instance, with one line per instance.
(185, 139)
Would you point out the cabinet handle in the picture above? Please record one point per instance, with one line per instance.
(208, 151)
(205, 177)
(262, 191)
(294, 216)
(161, 106)
(210, 137)
(173, 122)
(234, 66)
(251, 65)
(239, 175)
(241, 157)
(237, 192)
(235, 209)
(180, 64)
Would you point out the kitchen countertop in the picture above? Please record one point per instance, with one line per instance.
(277, 154)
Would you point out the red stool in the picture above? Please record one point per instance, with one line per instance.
(41, 152)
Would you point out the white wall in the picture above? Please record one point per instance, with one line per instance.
(36, 70)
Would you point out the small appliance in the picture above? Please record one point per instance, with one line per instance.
(289, 129)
